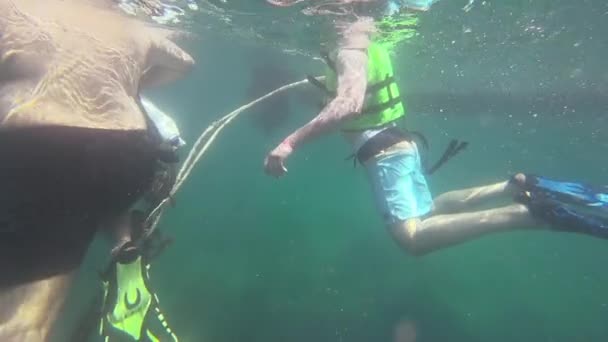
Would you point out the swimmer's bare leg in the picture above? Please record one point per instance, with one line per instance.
(461, 200)
(466, 199)
(28, 312)
(419, 237)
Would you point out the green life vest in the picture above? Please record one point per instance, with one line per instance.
(382, 104)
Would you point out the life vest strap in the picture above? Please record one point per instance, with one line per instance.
(370, 89)
(388, 80)
(382, 106)
(330, 63)
(315, 82)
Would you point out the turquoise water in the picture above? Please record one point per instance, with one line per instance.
(306, 258)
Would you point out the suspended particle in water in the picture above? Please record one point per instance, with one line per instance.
(405, 331)
(469, 5)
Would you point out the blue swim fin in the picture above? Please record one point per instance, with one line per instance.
(569, 192)
(557, 203)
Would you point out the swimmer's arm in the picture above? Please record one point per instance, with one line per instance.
(166, 63)
(352, 82)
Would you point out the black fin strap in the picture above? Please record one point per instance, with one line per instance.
(453, 149)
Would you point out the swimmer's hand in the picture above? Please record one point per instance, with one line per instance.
(274, 164)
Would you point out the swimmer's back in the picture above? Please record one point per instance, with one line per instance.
(70, 64)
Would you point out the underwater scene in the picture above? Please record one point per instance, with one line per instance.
(344, 170)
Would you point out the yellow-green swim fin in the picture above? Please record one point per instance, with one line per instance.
(131, 310)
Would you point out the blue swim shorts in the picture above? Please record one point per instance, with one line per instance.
(400, 188)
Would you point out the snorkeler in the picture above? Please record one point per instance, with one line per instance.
(128, 308)
(365, 105)
(74, 142)
(166, 135)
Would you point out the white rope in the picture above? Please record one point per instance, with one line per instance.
(193, 156)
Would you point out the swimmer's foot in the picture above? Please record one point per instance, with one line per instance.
(518, 181)
(517, 186)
